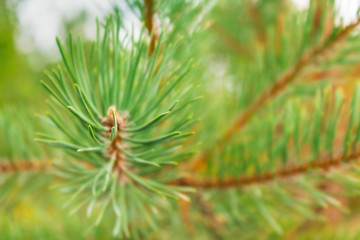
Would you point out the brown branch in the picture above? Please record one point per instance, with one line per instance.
(323, 164)
(284, 81)
(19, 166)
(113, 151)
(280, 85)
(149, 23)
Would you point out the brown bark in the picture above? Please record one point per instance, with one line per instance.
(323, 164)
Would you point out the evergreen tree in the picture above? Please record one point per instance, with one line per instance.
(211, 120)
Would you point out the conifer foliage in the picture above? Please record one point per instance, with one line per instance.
(270, 90)
(126, 121)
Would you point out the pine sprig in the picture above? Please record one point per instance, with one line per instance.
(117, 112)
(285, 154)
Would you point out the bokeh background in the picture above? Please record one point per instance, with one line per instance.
(27, 41)
(27, 38)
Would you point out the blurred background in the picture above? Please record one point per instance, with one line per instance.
(27, 38)
(27, 41)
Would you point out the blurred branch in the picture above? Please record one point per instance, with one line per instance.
(149, 23)
(338, 73)
(24, 165)
(323, 164)
(280, 85)
(284, 81)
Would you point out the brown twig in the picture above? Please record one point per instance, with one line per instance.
(149, 23)
(24, 165)
(113, 151)
(325, 163)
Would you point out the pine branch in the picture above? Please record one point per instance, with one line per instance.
(323, 164)
(120, 131)
(284, 81)
(150, 26)
(24, 165)
(280, 85)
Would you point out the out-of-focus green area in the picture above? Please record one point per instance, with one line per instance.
(19, 78)
(19, 83)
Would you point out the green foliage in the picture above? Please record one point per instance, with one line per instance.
(120, 112)
(25, 81)
(122, 116)
(17, 133)
(19, 152)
